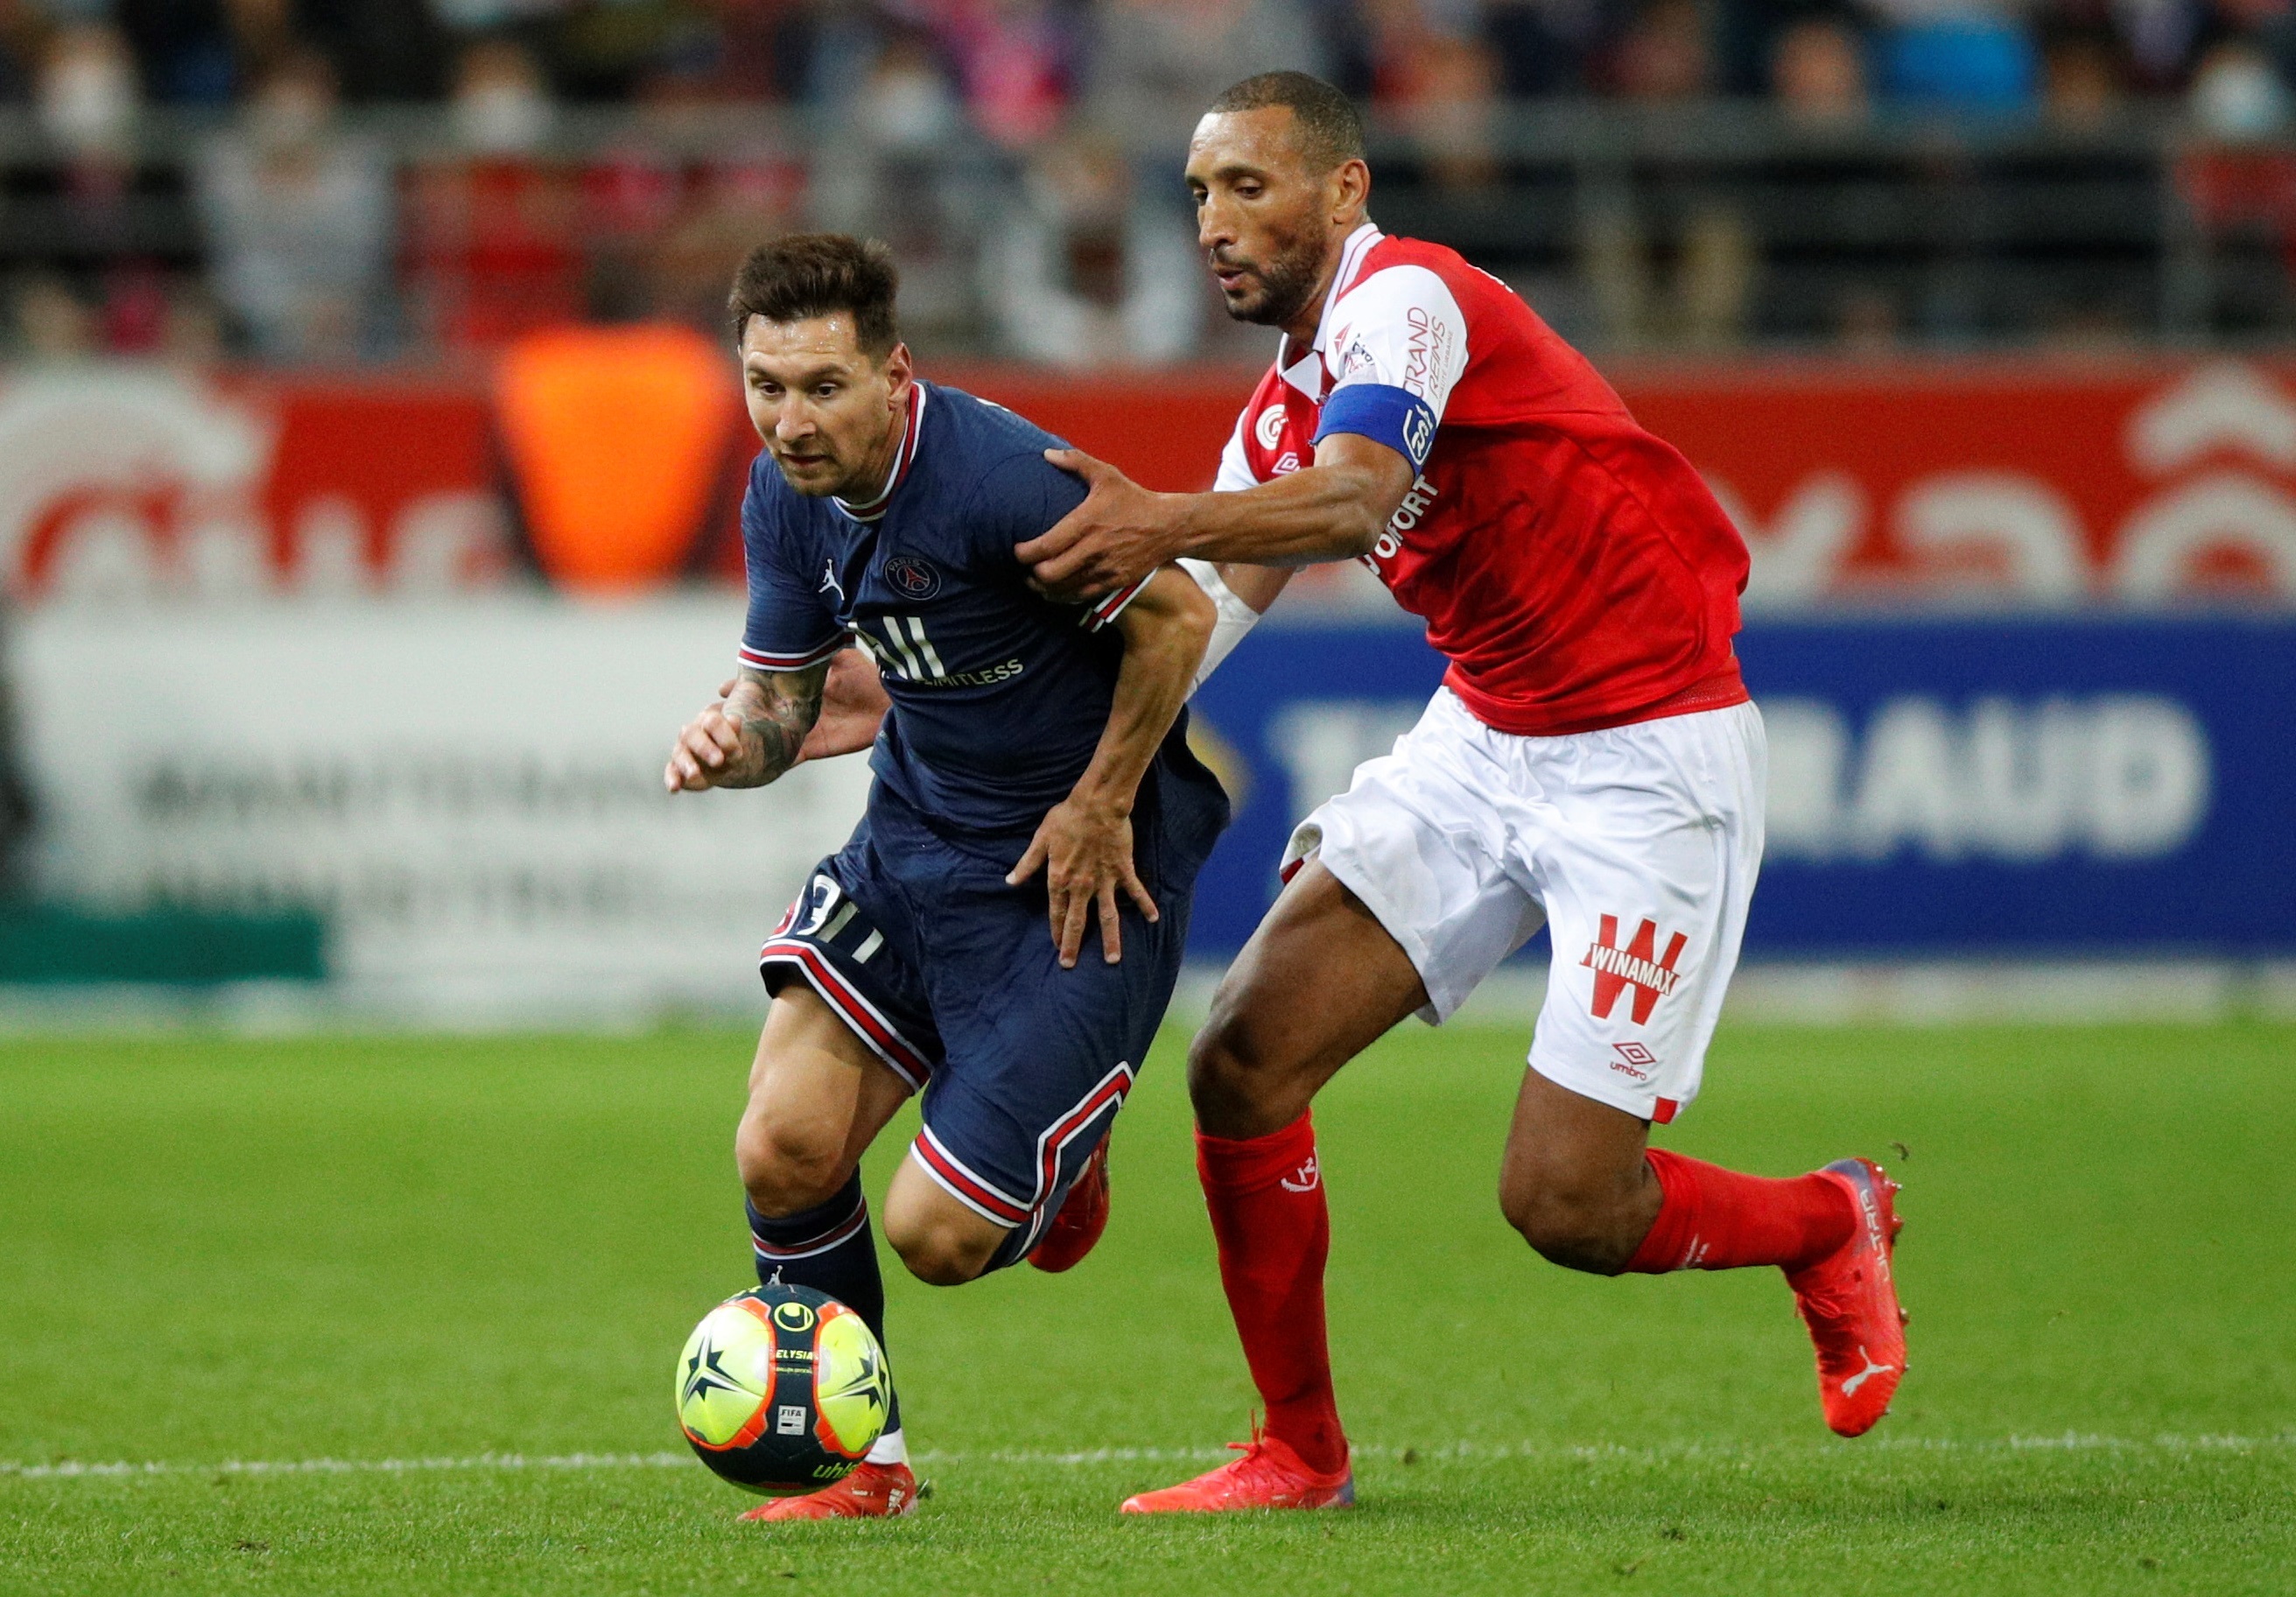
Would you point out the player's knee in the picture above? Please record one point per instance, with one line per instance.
(940, 1255)
(1570, 1224)
(786, 1169)
(1232, 1071)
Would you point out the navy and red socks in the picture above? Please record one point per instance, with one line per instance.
(830, 1247)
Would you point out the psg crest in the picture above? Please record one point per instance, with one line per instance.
(913, 578)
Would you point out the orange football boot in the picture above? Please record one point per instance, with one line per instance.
(1269, 1476)
(871, 1492)
(1083, 1217)
(1849, 1299)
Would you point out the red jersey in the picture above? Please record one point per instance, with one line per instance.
(1572, 567)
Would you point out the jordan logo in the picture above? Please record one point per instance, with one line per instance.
(1303, 1179)
(1617, 968)
(1849, 1387)
(829, 582)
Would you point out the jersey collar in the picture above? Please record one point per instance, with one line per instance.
(875, 508)
(1303, 369)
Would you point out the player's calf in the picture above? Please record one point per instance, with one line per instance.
(1593, 1226)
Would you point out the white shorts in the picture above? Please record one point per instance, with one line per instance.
(1638, 844)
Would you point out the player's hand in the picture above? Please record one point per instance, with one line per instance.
(1084, 851)
(700, 755)
(853, 705)
(1112, 540)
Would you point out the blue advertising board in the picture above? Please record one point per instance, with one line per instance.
(2089, 785)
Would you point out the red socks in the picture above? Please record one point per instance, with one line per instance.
(1717, 1219)
(1267, 1201)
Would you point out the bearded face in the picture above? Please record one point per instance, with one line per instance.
(1265, 215)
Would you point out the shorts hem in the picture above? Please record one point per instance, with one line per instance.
(879, 1035)
(968, 1189)
(1643, 1103)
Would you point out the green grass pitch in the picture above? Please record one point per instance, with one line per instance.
(400, 1315)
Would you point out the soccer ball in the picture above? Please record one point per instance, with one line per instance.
(781, 1389)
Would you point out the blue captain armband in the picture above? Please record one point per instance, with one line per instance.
(1394, 416)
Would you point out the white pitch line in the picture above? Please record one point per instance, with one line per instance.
(2066, 1442)
(71, 1469)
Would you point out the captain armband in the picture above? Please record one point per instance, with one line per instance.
(1394, 416)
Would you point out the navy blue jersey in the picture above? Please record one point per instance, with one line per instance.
(999, 695)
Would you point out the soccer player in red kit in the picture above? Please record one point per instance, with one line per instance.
(1591, 762)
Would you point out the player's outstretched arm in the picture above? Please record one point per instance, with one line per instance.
(1332, 510)
(752, 735)
(1084, 844)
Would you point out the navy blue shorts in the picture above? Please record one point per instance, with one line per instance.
(951, 978)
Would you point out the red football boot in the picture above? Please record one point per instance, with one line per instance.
(1083, 1217)
(1849, 1302)
(871, 1492)
(1269, 1476)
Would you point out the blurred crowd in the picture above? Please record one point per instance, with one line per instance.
(291, 231)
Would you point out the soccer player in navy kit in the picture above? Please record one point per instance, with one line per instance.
(1032, 776)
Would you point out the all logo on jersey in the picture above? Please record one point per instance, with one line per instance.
(904, 649)
(1269, 427)
(1616, 969)
(901, 649)
(912, 578)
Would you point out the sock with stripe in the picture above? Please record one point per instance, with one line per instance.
(831, 1249)
(1266, 1195)
(1716, 1219)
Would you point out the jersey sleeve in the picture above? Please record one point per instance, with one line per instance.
(1235, 466)
(1401, 345)
(790, 624)
(1023, 498)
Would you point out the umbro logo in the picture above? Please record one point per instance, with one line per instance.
(1306, 1179)
(1634, 1059)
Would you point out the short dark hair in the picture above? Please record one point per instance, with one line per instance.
(1331, 129)
(818, 274)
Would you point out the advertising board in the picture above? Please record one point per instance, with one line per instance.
(2038, 787)
(2034, 485)
(469, 794)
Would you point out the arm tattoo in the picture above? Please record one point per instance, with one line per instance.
(774, 711)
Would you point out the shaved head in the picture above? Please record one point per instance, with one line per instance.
(1326, 125)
